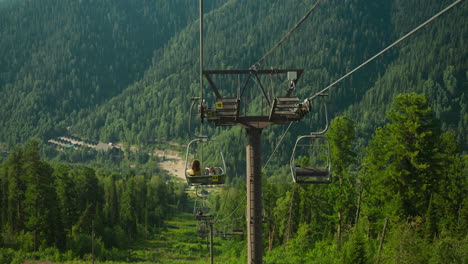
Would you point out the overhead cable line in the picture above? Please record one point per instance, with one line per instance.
(276, 148)
(285, 37)
(369, 60)
(194, 100)
(201, 57)
(225, 201)
(387, 48)
(233, 211)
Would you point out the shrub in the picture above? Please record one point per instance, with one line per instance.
(450, 250)
(6, 255)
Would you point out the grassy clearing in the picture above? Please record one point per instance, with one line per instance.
(178, 243)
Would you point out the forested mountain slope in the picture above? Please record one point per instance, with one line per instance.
(59, 57)
(126, 72)
(433, 62)
(337, 37)
(237, 34)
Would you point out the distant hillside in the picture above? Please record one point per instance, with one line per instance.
(126, 72)
(60, 57)
(337, 37)
(434, 62)
(237, 34)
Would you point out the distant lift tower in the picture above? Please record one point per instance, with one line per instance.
(227, 112)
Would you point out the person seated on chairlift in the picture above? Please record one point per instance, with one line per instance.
(195, 168)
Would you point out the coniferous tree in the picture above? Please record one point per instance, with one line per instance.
(413, 173)
(400, 163)
(41, 205)
(67, 196)
(15, 188)
(341, 135)
(356, 250)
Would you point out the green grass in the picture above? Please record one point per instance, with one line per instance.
(178, 243)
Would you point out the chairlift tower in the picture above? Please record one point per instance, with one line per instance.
(282, 110)
(227, 111)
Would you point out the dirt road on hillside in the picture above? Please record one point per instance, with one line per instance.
(171, 162)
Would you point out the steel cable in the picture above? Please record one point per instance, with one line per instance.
(369, 60)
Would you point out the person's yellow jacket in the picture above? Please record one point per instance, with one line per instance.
(191, 172)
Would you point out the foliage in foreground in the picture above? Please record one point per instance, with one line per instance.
(69, 208)
(402, 202)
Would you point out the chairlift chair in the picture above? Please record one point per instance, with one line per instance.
(319, 172)
(199, 207)
(316, 148)
(202, 229)
(218, 178)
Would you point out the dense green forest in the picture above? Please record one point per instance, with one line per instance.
(64, 207)
(60, 58)
(124, 72)
(402, 202)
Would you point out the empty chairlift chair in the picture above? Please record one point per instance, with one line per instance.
(200, 209)
(310, 160)
(204, 177)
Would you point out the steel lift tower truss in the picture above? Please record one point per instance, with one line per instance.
(227, 112)
(282, 110)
